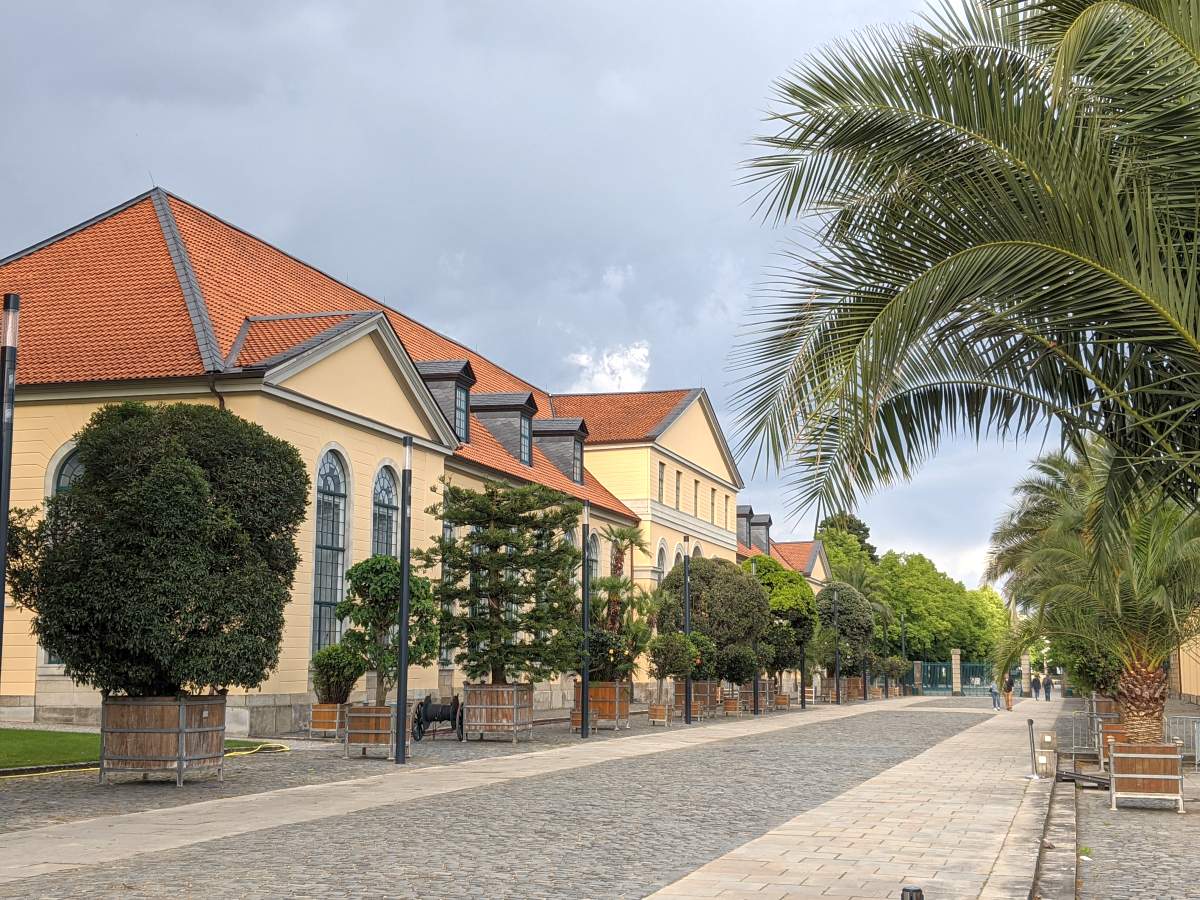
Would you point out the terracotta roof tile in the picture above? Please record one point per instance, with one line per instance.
(267, 338)
(747, 552)
(621, 417)
(797, 555)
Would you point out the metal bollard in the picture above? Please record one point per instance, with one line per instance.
(912, 893)
(1032, 753)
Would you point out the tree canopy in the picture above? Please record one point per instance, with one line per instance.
(167, 565)
(728, 605)
(852, 525)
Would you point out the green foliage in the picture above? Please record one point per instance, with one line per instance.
(845, 553)
(620, 627)
(737, 664)
(728, 605)
(371, 610)
(167, 566)
(853, 525)
(845, 611)
(705, 666)
(787, 650)
(507, 586)
(335, 670)
(672, 655)
(789, 596)
(1089, 668)
(895, 667)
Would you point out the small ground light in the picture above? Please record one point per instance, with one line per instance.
(912, 893)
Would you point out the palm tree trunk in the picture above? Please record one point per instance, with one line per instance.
(1142, 695)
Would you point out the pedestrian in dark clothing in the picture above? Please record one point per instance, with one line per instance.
(1008, 691)
(1046, 682)
(1036, 684)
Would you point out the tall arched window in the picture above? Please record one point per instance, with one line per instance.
(696, 554)
(384, 512)
(593, 558)
(662, 564)
(329, 570)
(678, 558)
(69, 471)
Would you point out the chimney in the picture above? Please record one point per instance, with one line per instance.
(744, 513)
(447, 380)
(760, 532)
(509, 417)
(562, 441)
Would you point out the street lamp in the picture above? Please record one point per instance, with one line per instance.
(585, 652)
(8, 362)
(687, 624)
(754, 575)
(837, 651)
(401, 754)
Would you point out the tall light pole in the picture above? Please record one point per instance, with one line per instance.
(585, 651)
(837, 651)
(687, 625)
(401, 752)
(8, 362)
(754, 574)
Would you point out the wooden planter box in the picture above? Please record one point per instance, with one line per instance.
(368, 726)
(1146, 772)
(706, 698)
(608, 701)
(504, 709)
(1109, 731)
(659, 714)
(577, 719)
(783, 701)
(733, 706)
(327, 720)
(162, 734)
(766, 694)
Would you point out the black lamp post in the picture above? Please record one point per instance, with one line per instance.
(687, 624)
(401, 752)
(837, 652)
(585, 652)
(887, 646)
(754, 574)
(8, 362)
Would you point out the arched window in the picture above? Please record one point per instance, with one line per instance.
(661, 563)
(329, 571)
(678, 558)
(384, 512)
(593, 558)
(696, 554)
(69, 471)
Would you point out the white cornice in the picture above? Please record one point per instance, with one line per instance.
(684, 523)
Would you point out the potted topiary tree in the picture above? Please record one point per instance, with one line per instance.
(335, 670)
(793, 615)
(737, 665)
(620, 632)
(508, 595)
(162, 575)
(671, 655)
(847, 626)
(370, 612)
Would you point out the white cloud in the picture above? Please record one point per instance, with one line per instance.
(623, 367)
(616, 277)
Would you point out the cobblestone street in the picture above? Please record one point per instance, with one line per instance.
(619, 827)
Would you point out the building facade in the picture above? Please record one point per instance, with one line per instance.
(160, 301)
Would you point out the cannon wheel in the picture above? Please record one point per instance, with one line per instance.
(418, 724)
(458, 725)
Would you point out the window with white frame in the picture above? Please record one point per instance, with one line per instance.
(329, 568)
(385, 511)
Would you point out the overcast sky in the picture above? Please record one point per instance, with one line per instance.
(552, 183)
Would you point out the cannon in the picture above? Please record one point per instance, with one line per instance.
(427, 713)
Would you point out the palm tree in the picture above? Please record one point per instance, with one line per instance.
(1004, 203)
(624, 539)
(1138, 604)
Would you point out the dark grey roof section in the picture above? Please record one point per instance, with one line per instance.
(500, 402)
(351, 320)
(74, 229)
(761, 519)
(674, 414)
(745, 510)
(448, 369)
(206, 338)
(560, 426)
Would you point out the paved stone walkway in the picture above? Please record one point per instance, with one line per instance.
(959, 820)
(614, 818)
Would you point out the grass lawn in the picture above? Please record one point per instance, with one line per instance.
(34, 747)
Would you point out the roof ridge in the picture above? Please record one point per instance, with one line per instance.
(206, 338)
(623, 393)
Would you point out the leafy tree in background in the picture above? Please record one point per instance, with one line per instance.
(853, 525)
(507, 584)
(793, 613)
(370, 609)
(166, 567)
(854, 625)
(671, 655)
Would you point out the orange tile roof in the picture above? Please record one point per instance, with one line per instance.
(745, 551)
(797, 555)
(622, 417)
(158, 288)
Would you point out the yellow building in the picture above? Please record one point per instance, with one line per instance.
(158, 300)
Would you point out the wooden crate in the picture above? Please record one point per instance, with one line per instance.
(1109, 731)
(327, 720)
(162, 734)
(504, 709)
(733, 706)
(659, 714)
(766, 694)
(608, 701)
(1145, 772)
(577, 719)
(706, 698)
(369, 726)
(783, 701)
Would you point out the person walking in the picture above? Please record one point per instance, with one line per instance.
(995, 692)
(1046, 682)
(1008, 691)
(1036, 683)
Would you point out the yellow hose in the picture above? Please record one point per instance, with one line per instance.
(266, 747)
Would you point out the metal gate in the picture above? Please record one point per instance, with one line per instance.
(975, 679)
(936, 678)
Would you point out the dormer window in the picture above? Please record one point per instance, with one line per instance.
(462, 417)
(577, 462)
(526, 440)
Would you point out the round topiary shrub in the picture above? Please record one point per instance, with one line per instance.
(728, 605)
(166, 567)
(705, 666)
(853, 615)
(335, 671)
(737, 664)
